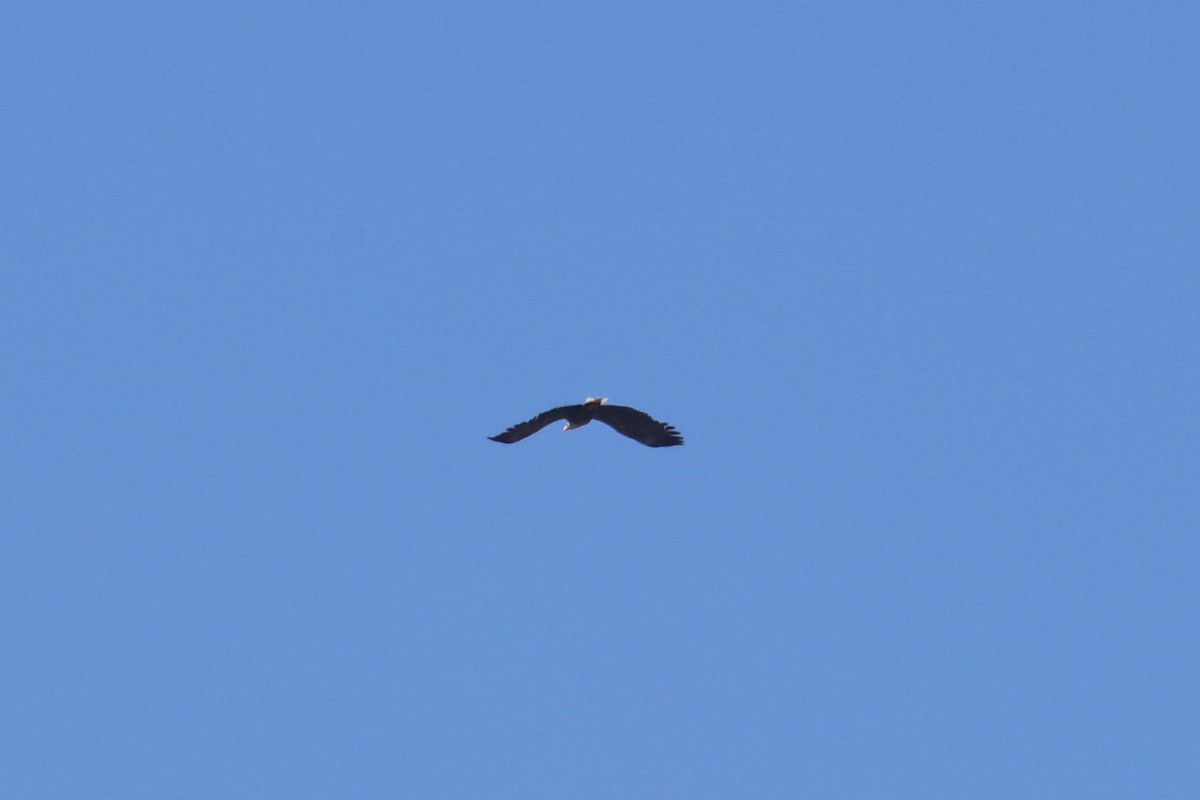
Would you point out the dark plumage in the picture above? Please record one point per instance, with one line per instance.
(625, 420)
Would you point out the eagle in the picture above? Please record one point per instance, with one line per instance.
(637, 425)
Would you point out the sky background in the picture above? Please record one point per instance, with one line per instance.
(918, 282)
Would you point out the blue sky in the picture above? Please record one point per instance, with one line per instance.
(918, 282)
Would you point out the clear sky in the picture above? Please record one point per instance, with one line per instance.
(918, 282)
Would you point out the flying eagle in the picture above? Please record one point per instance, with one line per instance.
(624, 420)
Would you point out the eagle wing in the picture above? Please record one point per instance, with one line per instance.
(519, 431)
(639, 425)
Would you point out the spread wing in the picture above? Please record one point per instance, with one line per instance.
(518, 432)
(639, 425)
